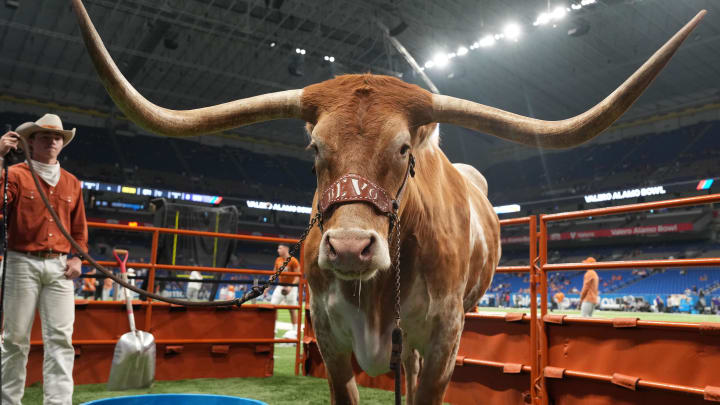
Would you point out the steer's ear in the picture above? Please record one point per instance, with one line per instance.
(427, 135)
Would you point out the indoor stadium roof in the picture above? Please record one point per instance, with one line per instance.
(192, 53)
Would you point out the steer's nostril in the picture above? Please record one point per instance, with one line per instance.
(368, 248)
(331, 247)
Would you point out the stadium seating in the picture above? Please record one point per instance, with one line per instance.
(681, 154)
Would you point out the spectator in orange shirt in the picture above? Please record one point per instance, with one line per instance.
(285, 294)
(39, 273)
(88, 285)
(558, 299)
(589, 297)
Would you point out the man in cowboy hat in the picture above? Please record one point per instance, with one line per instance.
(39, 273)
(589, 296)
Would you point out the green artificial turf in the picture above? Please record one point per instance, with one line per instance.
(282, 388)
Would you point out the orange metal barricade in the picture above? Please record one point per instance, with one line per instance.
(249, 328)
(625, 354)
(559, 359)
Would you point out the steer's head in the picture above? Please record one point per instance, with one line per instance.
(367, 125)
(363, 131)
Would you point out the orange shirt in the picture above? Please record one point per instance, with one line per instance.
(31, 227)
(88, 284)
(589, 291)
(293, 266)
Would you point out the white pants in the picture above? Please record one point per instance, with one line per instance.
(279, 299)
(586, 309)
(33, 283)
(193, 294)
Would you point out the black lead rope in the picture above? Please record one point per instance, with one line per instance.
(397, 340)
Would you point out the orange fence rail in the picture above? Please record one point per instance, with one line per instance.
(153, 265)
(549, 334)
(547, 321)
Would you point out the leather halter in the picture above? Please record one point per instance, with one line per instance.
(351, 188)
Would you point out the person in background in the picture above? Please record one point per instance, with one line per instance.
(285, 294)
(107, 289)
(88, 285)
(99, 283)
(193, 287)
(559, 300)
(589, 296)
(39, 273)
(659, 304)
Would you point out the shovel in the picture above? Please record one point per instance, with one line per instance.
(133, 364)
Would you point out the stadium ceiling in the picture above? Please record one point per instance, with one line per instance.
(192, 53)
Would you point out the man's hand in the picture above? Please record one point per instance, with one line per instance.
(73, 268)
(8, 141)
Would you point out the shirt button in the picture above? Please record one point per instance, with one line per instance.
(51, 220)
(50, 234)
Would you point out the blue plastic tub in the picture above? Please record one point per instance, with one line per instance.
(175, 399)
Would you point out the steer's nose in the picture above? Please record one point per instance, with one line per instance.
(353, 253)
(348, 250)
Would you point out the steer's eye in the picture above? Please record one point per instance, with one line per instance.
(404, 149)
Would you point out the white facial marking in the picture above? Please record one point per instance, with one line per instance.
(370, 345)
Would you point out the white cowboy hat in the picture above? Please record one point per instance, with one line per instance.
(48, 123)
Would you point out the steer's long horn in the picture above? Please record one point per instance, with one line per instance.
(566, 133)
(284, 104)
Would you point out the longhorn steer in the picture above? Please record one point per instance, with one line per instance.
(368, 126)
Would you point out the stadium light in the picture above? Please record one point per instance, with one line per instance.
(441, 60)
(542, 19)
(512, 31)
(487, 40)
(559, 13)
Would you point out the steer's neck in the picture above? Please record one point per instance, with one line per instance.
(429, 192)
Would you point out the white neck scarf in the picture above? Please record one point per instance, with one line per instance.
(49, 173)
